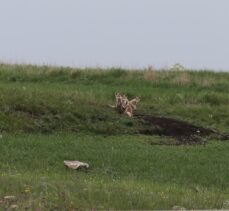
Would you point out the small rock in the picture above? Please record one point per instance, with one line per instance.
(178, 208)
(9, 197)
(14, 206)
(75, 164)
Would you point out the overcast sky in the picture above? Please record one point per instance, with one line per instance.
(127, 33)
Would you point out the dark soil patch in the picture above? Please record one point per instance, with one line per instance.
(184, 132)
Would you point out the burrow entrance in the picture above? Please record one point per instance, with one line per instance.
(183, 132)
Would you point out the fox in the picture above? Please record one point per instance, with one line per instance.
(134, 102)
(121, 102)
(131, 106)
(123, 105)
(129, 110)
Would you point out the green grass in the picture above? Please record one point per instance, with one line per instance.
(125, 173)
(52, 114)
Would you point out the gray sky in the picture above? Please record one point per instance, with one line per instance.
(127, 33)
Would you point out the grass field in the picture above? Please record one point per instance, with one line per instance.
(52, 114)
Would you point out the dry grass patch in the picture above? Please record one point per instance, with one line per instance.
(130, 75)
(205, 82)
(182, 78)
(150, 75)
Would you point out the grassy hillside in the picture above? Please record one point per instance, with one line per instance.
(52, 114)
(46, 99)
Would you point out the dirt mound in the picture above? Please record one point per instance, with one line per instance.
(183, 132)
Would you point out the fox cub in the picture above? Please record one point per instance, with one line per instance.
(124, 105)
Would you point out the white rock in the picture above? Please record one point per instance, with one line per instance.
(14, 206)
(9, 197)
(75, 164)
(178, 208)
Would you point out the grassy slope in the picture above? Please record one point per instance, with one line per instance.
(70, 107)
